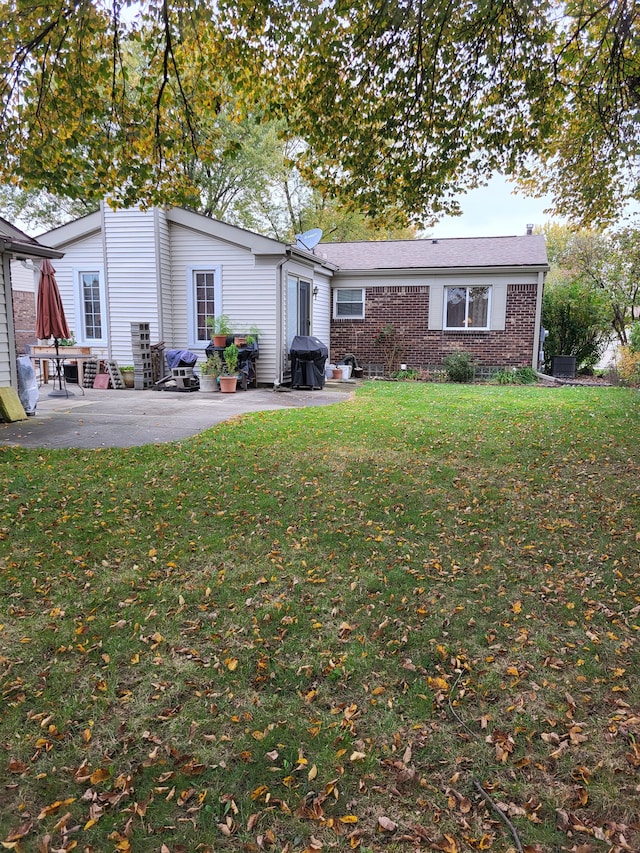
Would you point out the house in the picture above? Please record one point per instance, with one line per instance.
(15, 246)
(481, 295)
(173, 268)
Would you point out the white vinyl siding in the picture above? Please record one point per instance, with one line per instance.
(5, 345)
(321, 309)
(132, 277)
(146, 258)
(163, 252)
(84, 255)
(247, 290)
(23, 277)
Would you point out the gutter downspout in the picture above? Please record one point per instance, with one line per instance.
(280, 319)
(105, 261)
(538, 321)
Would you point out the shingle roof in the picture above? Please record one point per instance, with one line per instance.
(458, 252)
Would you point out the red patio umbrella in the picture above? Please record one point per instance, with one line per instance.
(50, 319)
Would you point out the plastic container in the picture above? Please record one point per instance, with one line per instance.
(346, 370)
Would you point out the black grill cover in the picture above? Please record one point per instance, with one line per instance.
(308, 357)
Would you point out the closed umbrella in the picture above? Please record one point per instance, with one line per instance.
(50, 319)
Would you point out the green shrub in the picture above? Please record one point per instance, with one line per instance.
(459, 367)
(410, 373)
(577, 321)
(515, 376)
(526, 375)
(634, 337)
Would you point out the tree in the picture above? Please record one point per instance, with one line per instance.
(40, 209)
(254, 183)
(609, 263)
(592, 292)
(286, 204)
(401, 104)
(576, 320)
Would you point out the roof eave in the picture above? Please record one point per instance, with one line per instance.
(22, 251)
(297, 252)
(423, 271)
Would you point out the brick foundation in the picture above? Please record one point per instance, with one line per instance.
(406, 308)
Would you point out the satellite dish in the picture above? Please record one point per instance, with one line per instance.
(309, 240)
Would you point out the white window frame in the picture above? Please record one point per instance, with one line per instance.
(466, 328)
(337, 316)
(80, 330)
(192, 317)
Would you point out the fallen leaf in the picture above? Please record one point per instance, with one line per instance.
(447, 845)
(21, 831)
(53, 808)
(385, 824)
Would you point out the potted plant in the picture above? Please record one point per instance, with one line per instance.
(220, 327)
(229, 375)
(252, 336)
(209, 373)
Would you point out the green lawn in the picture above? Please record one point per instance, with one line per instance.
(410, 620)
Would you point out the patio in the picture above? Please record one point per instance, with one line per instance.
(108, 418)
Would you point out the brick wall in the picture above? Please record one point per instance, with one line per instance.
(407, 309)
(24, 319)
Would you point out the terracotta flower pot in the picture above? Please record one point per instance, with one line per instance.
(228, 384)
(219, 340)
(337, 373)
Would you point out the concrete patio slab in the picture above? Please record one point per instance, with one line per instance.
(128, 418)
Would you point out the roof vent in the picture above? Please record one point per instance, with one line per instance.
(529, 230)
(434, 241)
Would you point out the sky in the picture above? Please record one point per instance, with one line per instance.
(494, 211)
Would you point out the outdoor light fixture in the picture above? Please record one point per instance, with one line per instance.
(315, 291)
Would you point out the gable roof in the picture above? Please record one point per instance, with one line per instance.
(452, 253)
(16, 242)
(257, 244)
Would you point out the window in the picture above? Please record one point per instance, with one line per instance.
(348, 303)
(467, 308)
(91, 309)
(204, 301)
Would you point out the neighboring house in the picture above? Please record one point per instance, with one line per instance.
(481, 295)
(174, 268)
(14, 246)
